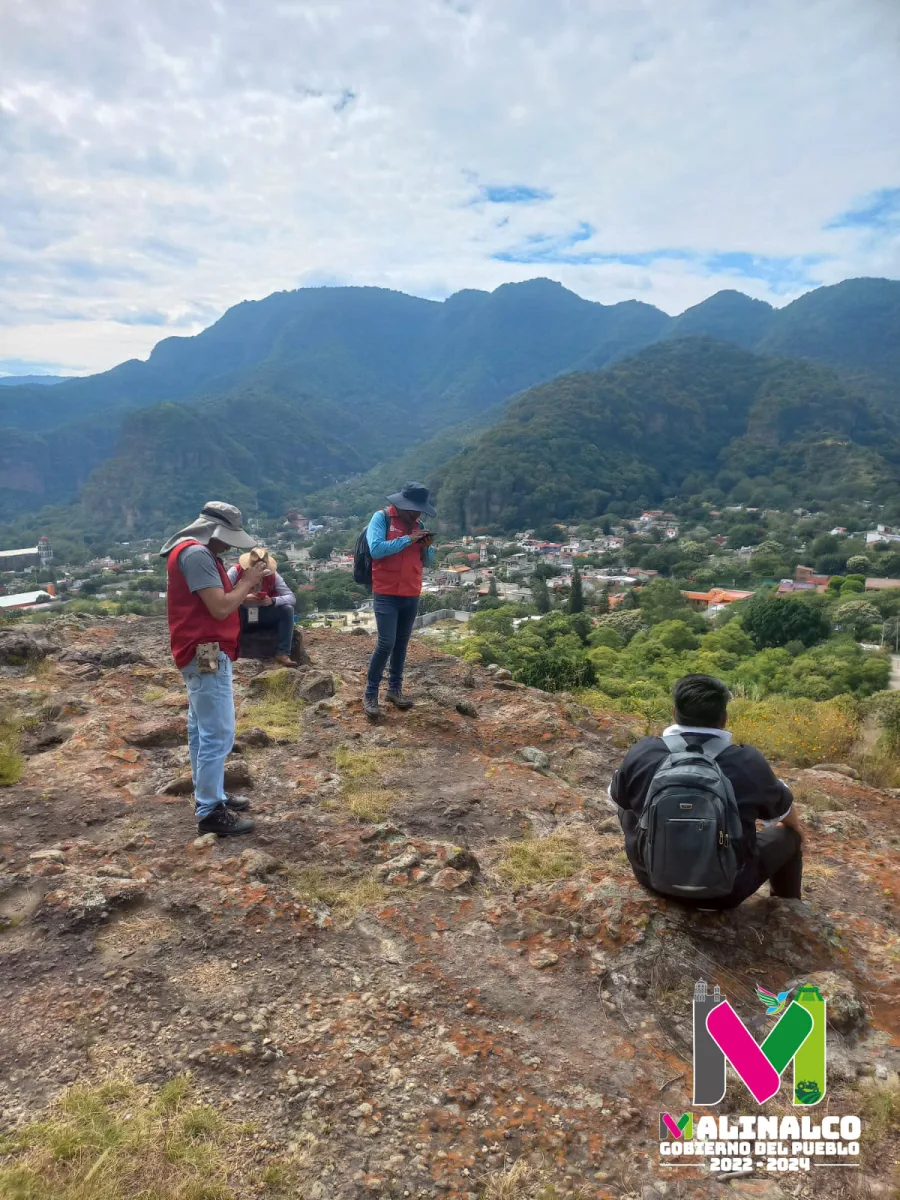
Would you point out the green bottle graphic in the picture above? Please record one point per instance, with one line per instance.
(809, 1061)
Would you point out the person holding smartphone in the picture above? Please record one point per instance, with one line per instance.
(400, 547)
(204, 629)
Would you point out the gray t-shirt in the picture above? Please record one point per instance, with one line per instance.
(198, 566)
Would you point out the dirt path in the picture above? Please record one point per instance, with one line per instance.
(424, 1023)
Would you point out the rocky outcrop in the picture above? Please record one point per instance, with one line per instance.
(397, 965)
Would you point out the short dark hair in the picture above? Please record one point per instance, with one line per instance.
(700, 700)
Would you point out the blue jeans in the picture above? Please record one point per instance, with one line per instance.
(279, 616)
(210, 731)
(394, 616)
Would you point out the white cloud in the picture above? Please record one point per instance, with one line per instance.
(171, 159)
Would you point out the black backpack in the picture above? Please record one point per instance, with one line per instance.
(690, 825)
(362, 557)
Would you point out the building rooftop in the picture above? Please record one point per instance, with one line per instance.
(22, 599)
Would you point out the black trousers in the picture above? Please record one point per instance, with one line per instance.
(780, 862)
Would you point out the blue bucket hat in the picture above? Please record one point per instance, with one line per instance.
(414, 498)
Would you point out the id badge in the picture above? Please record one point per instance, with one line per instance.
(253, 615)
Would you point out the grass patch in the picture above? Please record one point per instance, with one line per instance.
(798, 732)
(370, 804)
(12, 761)
(118, 1140)
(345, 896)
(359, 770)
(879, 1107)
(152, 694)
(814, 799)
(276, 712)
(363, 764)
(879, 767)
(540, 860)
(522, 1181)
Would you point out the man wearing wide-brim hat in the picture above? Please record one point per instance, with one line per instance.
(400, 547)
(204, 631)
(271, 606)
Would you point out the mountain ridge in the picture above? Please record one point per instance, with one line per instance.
(399, 370)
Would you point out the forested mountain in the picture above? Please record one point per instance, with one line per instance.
(678, 418)
(29, 380)
(344, 380)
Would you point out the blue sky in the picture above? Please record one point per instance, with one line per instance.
(162, 161)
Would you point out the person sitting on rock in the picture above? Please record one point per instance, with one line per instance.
(204, 631)
(273, 601)
(668, 848)
(400, 547)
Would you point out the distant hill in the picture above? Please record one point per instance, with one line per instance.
(31, 380)
(359, 377)
(679, 417)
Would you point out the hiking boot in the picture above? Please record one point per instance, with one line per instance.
(285, 660)
(370, 707)
(237, 803)
(398, 700)
(225, 823)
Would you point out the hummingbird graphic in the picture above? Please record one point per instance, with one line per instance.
(775, 1003)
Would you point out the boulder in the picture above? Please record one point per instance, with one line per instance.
(120, 656)
(166, 731)
(836, 769)
(237, 775)
(403, 862)
(254, 739)
(18, 647)
(537, 758)
(262, 644)
(79, 657)
(44, 737)
(846, 1011)
(314, 685)
(543, 958)
(450, 879)
(448, 698)
(182, 785)
(259, 864)
(62, 706)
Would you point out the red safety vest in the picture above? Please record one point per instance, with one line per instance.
(398, 574)
(190, 621)
(266, 588)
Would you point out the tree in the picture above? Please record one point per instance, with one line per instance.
(626, 624)
(541, 594)
(492, 589)
(661, 600)
(336, 590)
(322, 547)
(856, 617)
(603, 601)
(774, 622)
(576, 593)
(858, 564)
(630, 601)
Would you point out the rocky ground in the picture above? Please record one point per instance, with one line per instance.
(370, 976)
